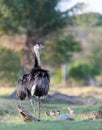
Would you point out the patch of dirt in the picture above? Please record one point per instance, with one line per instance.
(76, 100)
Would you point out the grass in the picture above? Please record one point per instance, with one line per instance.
(10, 119)
(62, 125)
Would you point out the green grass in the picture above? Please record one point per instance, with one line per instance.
(59, 125)
(10, 119)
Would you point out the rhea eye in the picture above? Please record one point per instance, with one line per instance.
(40, 45)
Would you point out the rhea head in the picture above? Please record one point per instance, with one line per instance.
(36, 48)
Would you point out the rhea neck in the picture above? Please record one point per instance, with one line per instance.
(37, 57)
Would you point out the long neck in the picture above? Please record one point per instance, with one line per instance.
(37, 58)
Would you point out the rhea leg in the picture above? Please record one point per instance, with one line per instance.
(21, 102)
(39, 101)
(33, 105)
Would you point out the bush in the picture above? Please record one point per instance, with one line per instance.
(9, 66)
(81, 70)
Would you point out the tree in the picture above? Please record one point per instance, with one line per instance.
(95, 54)
(62, 47)
(58, 52)
(35, 18)
(87, 20)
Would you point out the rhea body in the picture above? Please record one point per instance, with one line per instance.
(35, 83)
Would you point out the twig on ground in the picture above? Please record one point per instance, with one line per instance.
(27, 117)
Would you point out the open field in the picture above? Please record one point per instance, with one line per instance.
(10, 119)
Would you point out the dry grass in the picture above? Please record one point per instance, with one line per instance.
(79, 91)
(6, 91)
(72, 91)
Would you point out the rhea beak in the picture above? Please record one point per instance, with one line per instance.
(41, 45)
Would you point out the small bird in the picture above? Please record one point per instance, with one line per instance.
(47, 113)
(71, 111)
(54, 112)
(96, 114)
(35, 83)
(57, 112)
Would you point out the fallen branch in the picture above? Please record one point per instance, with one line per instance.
(26, 115)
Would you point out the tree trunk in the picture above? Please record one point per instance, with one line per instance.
(28, 58)
(64, 70)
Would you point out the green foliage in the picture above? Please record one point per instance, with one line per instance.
(89, 20)
(59, 50)
(92, 50)
(36, 18)
(99, 22)
(29, 15)
(96, 53)
(81, 70)
(9, 66)
(24, 15)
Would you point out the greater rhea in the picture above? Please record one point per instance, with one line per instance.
(35, 83)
